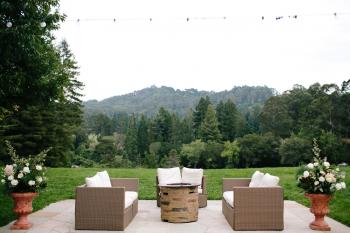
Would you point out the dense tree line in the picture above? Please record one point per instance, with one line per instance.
(216, 136)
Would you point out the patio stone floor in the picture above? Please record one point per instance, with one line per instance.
(59, 218)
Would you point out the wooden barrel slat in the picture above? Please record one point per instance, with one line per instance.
(179, 204)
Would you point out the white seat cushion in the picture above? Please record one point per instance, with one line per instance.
(269, 181)
(228, 196)
(105, 178)
(94, 181)
(168, 175)
(193, 176)
(130, 197)
(256, 179)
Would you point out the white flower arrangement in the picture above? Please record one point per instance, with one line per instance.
(320, 176)
(25, 174)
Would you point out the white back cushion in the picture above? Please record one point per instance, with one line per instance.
(168, 175)
(94, 181)
(256, 179)
(105, 178)
(269, 181)
(193, 176)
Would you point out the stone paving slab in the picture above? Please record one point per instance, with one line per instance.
(59, 218)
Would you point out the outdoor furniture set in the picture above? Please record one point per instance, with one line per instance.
(247, 204)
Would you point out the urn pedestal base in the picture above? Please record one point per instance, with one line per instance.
(319, 207)
(23, 207)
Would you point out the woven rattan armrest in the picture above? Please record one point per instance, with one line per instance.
(130, 184)
(229, 183)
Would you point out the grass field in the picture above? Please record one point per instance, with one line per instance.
(62, 183)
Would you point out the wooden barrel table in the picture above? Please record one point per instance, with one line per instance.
(179, 202)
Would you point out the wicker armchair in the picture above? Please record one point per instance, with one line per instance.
(258, 208)
(104, 208)
(202, 197)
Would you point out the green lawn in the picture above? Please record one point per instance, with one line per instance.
(62, 182)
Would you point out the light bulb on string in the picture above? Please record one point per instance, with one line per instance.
(279, 17)
(9, 24)
(42, 24)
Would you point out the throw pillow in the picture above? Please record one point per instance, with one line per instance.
(169, 175)
(256, 179)
(94, 181)
(193, 176)
(106, 181)
(269, 181)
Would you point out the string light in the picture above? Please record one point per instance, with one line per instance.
(187, 19)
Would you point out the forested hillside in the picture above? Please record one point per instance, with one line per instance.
(213, 134)
(148, 100)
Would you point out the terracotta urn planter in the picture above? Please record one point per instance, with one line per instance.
(23, 207)
(319, 207)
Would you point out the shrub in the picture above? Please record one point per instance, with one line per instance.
(295, 150)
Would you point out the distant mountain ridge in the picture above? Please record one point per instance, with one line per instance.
(148, 100)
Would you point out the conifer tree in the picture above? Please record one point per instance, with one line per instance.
(131, 139)
(209, 130)
(199, 114)
(38, 78)
(142, 137)
(227, 118)
(163, 125)
(29, 61)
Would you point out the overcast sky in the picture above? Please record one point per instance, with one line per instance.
(213, 54)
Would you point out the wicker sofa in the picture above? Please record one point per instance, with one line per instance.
(103, 208)
(202, 196)
(254, 208)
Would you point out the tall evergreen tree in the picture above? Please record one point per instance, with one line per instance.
(227, 118)
(29, 61)
(186, 129)
(163, 125)
(199, 114)
(122, 121)
(209, 130)
(131, 139)
(176, 130)
(220, 115)
(142, 137)
(39, 79)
